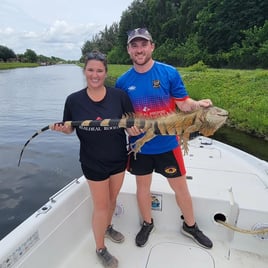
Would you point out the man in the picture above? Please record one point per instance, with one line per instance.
(156, 89)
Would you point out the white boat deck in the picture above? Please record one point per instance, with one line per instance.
(225, 184)
(164, 249)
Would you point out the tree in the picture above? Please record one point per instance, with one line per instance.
(108, 38)
(221, 33)
(185, 18)
(30, 56)
(220, 23)
(104, 41)
(6, 53)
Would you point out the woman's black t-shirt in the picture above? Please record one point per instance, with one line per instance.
(100, 147)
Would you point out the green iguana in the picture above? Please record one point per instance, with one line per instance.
(204, 120)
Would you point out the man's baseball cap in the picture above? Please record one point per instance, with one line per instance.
(139, 33)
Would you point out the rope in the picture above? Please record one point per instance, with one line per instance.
(237, 229)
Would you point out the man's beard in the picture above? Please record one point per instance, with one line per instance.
(146, 60)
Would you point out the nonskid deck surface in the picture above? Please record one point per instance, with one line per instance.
(216, 186)
(164, 249)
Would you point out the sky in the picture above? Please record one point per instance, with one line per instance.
(56, 28)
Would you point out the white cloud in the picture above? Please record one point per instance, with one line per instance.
(29, 35)
(61, 31)
(57, 37)
(55, 28)
(6, 31)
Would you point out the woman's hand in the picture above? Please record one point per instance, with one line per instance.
(67, 129)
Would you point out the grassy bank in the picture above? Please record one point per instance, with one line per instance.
(243, 93)
(12, 65)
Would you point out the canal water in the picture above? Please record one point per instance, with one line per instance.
(31, 98)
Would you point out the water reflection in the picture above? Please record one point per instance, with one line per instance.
(243, 141)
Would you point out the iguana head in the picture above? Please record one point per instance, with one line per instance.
(212, 119)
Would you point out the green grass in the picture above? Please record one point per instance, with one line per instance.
(12, 65)
(243, 93)
(115, 70)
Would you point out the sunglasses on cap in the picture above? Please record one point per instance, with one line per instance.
(141, 31)
(95, 55)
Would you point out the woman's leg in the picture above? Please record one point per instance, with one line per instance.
(100, 197)
(115, 184)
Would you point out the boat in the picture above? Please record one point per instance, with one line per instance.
(229, 188)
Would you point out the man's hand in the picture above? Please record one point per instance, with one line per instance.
(205, 103)
(134, 131)
(189, 104)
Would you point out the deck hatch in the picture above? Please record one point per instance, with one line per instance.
(174, 255)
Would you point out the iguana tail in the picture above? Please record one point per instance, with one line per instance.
(33, 136)
(125, 122)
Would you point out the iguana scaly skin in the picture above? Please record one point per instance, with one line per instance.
(204, 120)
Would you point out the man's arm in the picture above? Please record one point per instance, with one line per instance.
(188, 105)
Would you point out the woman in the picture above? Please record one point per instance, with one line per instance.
(103, 152)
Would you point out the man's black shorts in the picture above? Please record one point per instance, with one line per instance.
(170, 164)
